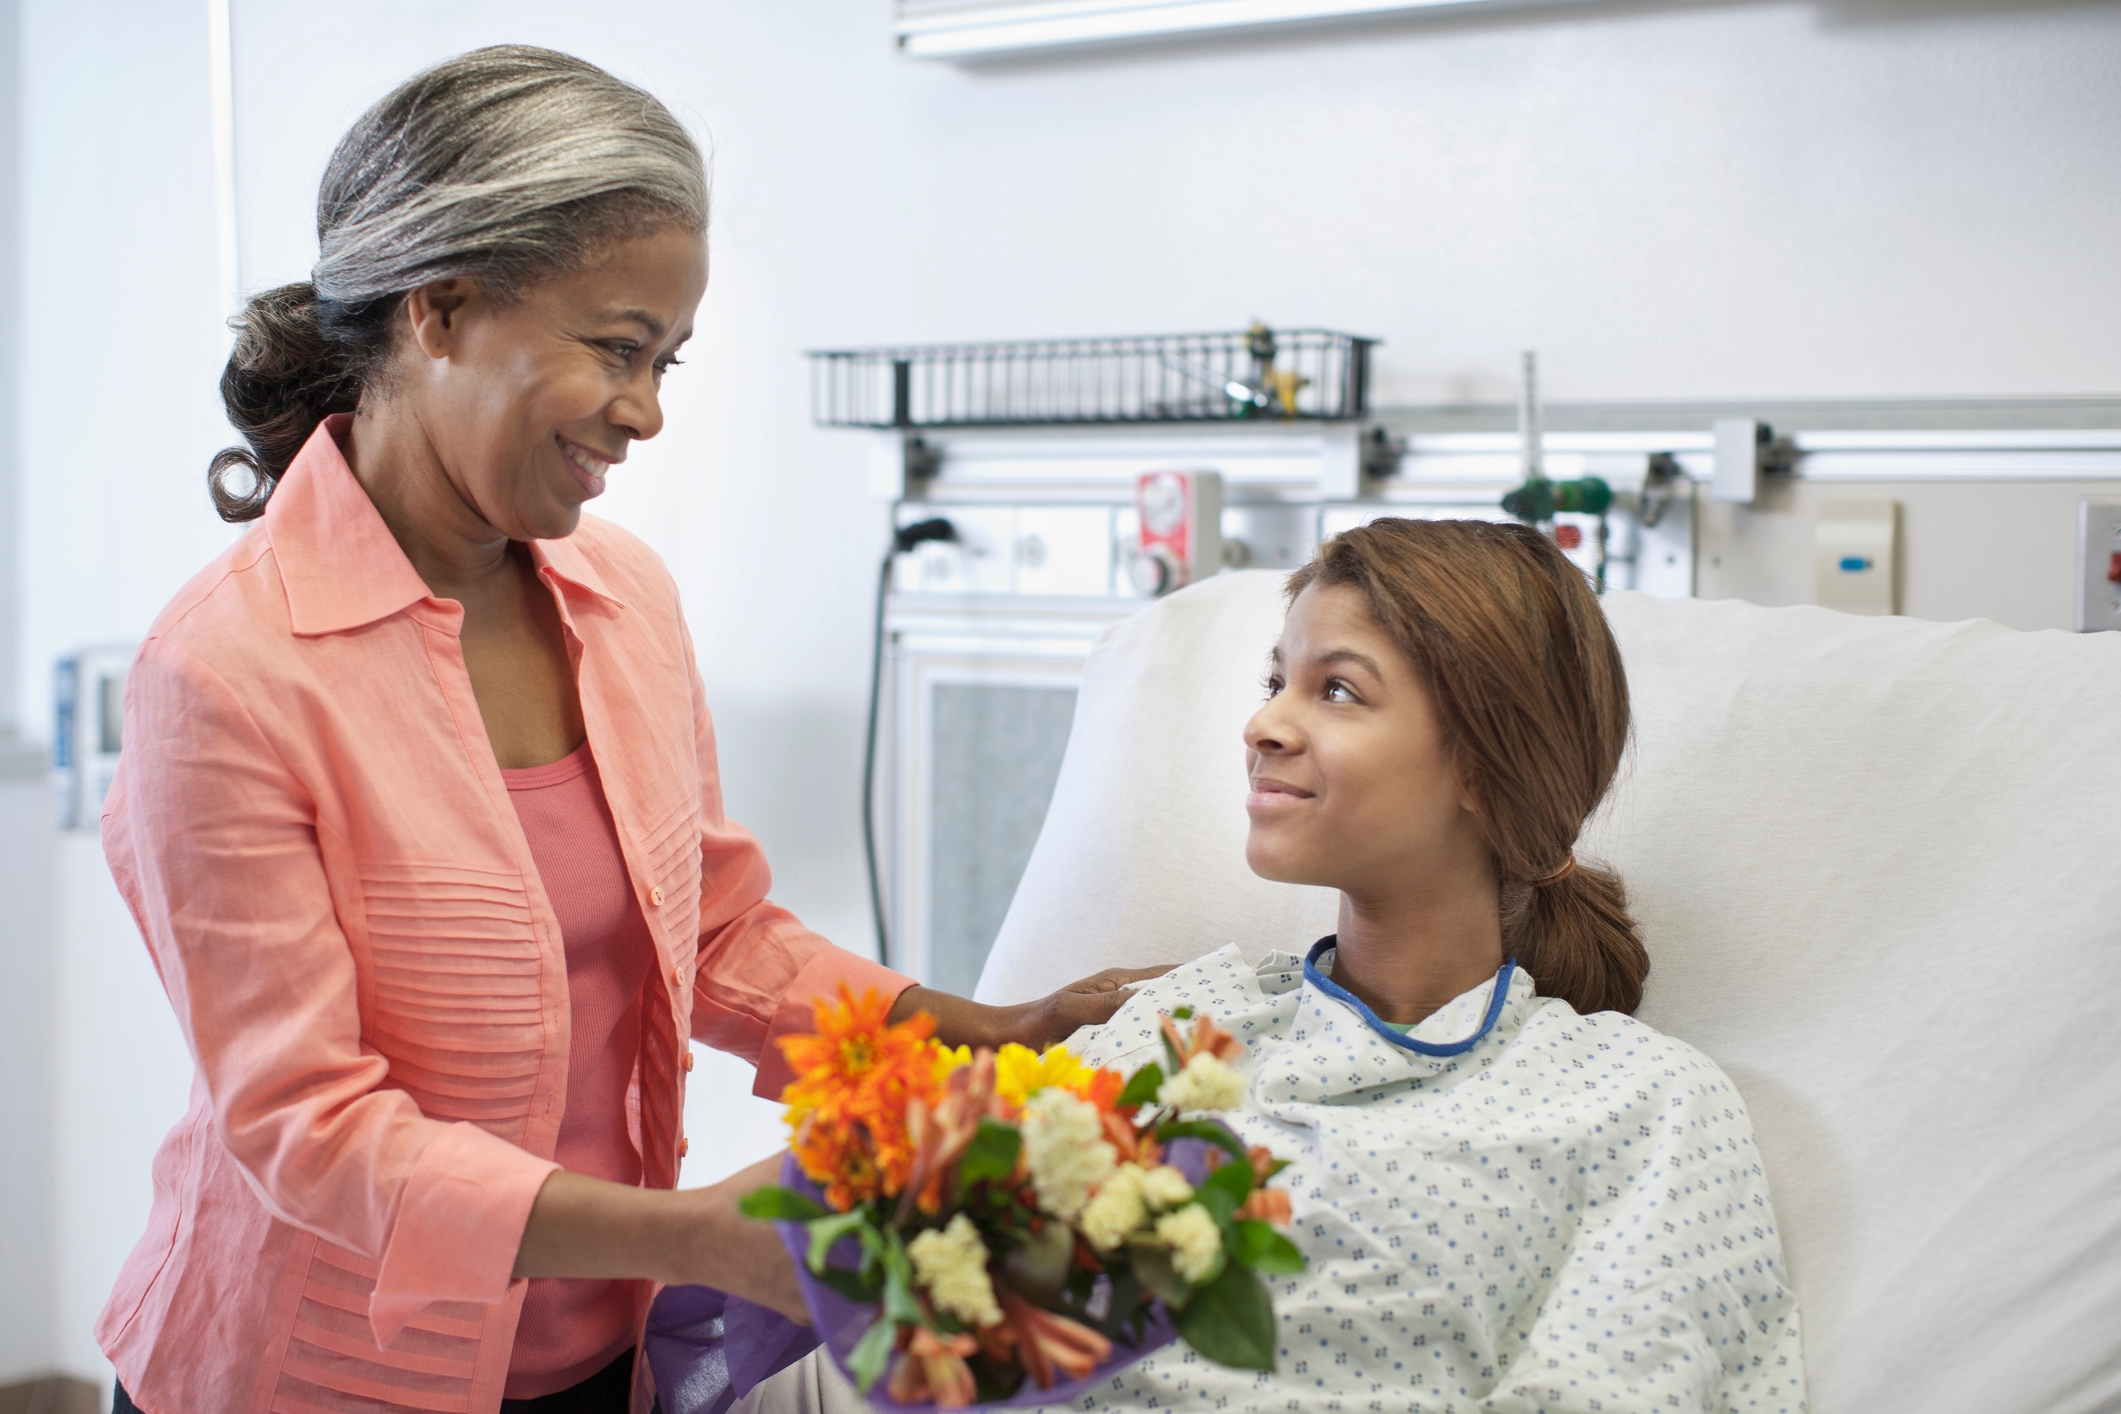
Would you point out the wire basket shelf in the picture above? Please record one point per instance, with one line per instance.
(1311, 375)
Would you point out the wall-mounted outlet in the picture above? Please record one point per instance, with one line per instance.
(1857, 556)
(2098, 563)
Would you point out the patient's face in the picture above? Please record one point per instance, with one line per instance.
(1352, 787)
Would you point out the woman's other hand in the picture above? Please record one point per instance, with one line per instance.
(1045, 1022)
(743, 1256)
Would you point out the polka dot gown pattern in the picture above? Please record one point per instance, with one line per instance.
(1570, 1215)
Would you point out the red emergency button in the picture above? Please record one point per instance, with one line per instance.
(684, 1147)
(688, 1062)
(655, 896)
(2113, 569)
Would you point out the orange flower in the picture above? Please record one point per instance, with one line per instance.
(855, 1061)
(856, 1079)
(1101, 1088)
(1267, 1205)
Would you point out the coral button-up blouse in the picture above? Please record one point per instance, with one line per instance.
(311, 830)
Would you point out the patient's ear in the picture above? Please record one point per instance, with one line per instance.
(1468, 788)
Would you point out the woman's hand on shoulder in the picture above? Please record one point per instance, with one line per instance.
(1045, 1022)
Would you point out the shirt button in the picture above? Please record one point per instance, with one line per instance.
(688, 1062)
(655, 896)
(677, 975)
(684, 1147)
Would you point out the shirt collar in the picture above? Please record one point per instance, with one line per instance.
(341, 566)
(567, 562)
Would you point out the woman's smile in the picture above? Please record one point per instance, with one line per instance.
(588, 466)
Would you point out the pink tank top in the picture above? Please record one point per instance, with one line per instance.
(571, 1329)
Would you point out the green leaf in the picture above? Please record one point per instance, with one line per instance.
(899, 1305)
(1182, 1013)
(777, 1204)
(1233, 1178)
(865, 1291)
(871, 1355)
(1152, 1268)
(1263, 1249)
(1142, 1088)
(829, 1229)
(1201, 1129)
(1231, 1320)
(991, 1154)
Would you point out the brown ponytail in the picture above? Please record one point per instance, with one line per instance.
(1529, 686)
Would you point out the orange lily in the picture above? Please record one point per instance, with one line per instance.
(1267, 1205)
(939, 1134)
(1052, 1348)
(1132, 1146)
(932, 1369)
(1208, 1038)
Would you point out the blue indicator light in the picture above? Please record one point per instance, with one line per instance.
(1854, 564)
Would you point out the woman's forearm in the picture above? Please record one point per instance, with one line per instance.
(587, 1227)
(960, 1021)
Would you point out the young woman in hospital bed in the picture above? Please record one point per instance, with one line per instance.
(1513, 1195)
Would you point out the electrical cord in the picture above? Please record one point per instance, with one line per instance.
(902, 540)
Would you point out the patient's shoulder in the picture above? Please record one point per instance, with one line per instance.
(1248, 1000)
(1625, 1059)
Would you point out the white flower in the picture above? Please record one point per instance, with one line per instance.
(1165, 1187)
(952, 1263)
(1205, 1084)
(1065, 1146)
(1115, 1210)
(1195, 1240)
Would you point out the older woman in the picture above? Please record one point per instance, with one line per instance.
(419, 810)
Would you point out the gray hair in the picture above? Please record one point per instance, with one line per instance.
(507, 165)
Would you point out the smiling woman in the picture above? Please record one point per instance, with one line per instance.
(420, 812)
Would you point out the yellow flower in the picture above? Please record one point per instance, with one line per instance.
(1020, 1073)
(947, 1060)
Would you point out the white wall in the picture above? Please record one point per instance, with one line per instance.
(116, 355)
(1864, 198)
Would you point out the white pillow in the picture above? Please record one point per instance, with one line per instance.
(1878, 867)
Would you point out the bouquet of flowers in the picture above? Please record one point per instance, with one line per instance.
(1004, 1226)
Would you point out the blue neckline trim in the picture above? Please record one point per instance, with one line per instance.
(1408, 1043)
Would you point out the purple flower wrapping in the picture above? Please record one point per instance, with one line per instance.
(707, 1349)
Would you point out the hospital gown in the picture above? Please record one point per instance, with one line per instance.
(1569, 1215)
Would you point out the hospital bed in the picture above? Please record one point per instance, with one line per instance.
(1877, 863)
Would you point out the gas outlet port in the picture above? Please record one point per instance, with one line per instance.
(2098, 563)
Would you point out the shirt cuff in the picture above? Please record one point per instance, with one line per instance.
(819, 977)
(460, 1224)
